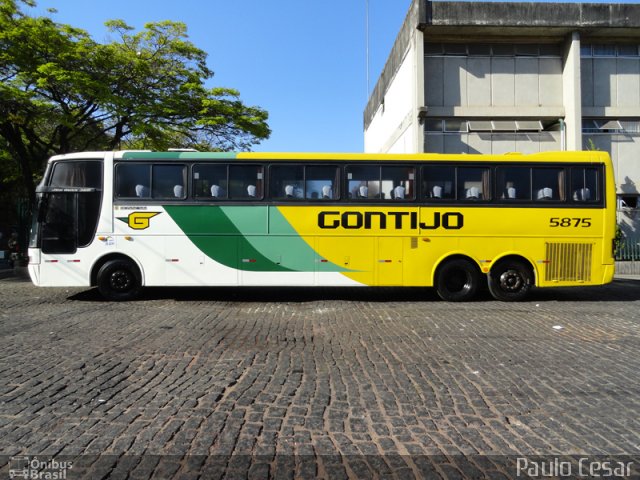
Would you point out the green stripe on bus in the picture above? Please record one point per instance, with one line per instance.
(179, 155)
(235, 237)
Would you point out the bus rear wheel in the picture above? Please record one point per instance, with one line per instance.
(119, 280)
(510, 280)
(457, 280)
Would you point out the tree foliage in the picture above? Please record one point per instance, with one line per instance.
(61, 91)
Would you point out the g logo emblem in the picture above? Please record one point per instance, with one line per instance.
(140, 220)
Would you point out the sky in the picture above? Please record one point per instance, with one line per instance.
(305, 62)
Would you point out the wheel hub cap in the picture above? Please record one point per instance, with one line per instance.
(120, 280)
(511, 281)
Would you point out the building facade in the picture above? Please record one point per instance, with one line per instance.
(475, 77)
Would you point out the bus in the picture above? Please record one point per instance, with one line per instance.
(126, 220)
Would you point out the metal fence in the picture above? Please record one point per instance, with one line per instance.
(628, 249)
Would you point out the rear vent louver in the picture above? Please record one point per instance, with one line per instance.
(568, 262)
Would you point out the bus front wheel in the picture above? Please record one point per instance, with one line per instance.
(457, 280)
(119, 280)
(510, 280)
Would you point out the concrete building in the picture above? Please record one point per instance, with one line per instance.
(480, 77)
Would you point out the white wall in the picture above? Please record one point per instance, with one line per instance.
(610, 86)
(391, 128)
(493, 82)
(625, 152)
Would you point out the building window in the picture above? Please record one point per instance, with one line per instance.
(503, 50)
(456, 126)
(626, 202)
(495, 49)
(604, 50)
(609, 50)
(479, 49)
(527, 50)
(435, 125)
(606, 125)
(630, 126)
(454, 49)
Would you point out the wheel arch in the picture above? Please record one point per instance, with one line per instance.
(114, 256)
(449, 257)
(521, 258)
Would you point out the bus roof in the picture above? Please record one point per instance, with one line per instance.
(566, 156)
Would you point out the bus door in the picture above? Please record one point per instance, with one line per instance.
(389, 261)
(68, 220)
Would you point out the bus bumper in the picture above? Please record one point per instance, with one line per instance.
(34, 265)
(34, 274)
(608, 273)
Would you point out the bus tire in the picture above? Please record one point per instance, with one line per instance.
(119, 280)
(510, 280)
(457, 280)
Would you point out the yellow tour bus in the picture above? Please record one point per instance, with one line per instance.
(124, 220)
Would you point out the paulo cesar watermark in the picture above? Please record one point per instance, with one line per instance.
(576, 467)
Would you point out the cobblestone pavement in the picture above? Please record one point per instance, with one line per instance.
(315, 382)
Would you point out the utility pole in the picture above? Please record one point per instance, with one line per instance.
(366, 21)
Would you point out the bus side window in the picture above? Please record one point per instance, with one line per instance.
(246, 182)
(437, 183)
(513, 183)
(209, 182)
(584, 185)
(286, 182)
(549, 184)
(165, 179)
(473, 183)
(363, 182)
(398, 183)
(321, 182)
(133, 180)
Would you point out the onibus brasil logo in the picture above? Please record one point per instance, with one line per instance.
(30, 468)
(139, 220)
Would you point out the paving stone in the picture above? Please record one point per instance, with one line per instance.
(302, 383)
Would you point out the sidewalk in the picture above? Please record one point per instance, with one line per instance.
(626, 276)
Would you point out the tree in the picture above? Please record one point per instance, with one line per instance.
(61, 91)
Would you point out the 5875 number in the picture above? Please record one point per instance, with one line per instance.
(566, 222)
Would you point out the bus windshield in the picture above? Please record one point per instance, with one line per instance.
(68, 207)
